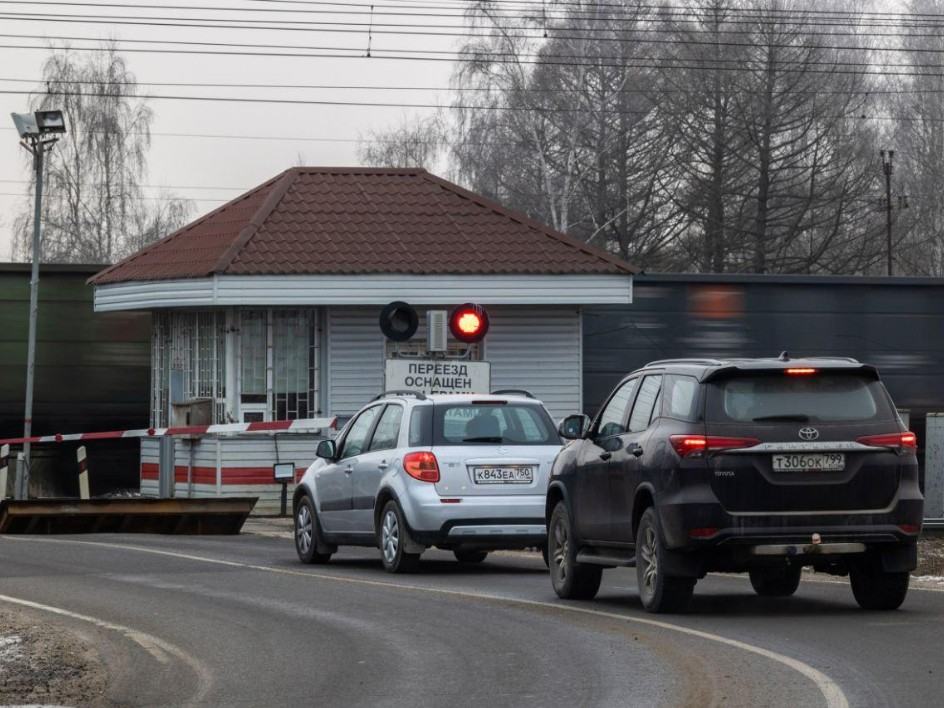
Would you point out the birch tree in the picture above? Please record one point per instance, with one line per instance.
(94, 209)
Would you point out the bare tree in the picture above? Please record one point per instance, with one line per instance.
(918, 110)
(93, 206)
(411, 143)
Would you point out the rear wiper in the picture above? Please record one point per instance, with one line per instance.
(487, 438)
(789, 417)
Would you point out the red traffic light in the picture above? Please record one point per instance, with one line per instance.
(468, 323)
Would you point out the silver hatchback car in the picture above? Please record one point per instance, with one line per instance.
(465, 473)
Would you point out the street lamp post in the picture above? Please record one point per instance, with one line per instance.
(38, 131)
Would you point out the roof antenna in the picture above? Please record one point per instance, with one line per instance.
(784, 356)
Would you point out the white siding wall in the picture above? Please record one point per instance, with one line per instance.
(540, 350)
(355, 367)
(251, 451)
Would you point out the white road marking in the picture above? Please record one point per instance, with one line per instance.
(831, 691)
(157, 648)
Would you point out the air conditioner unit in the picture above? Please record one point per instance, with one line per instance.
(437, 323)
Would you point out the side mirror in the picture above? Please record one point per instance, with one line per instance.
(327, 449)
(574, 427)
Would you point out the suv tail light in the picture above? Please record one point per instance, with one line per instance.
(904, 442)
(700, 444)
(422, 466)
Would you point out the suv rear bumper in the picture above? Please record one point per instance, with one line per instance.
(705, 526)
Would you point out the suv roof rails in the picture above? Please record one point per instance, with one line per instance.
(693, 361)
(420, 396)
(512, 392)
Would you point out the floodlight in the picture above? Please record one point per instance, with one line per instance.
(25, 124)
(50, 121)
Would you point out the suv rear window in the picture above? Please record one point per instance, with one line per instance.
(511, 423)
(777, 396)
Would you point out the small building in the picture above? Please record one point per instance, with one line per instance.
(267, 308)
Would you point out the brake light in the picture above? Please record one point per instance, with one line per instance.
(904, 441)
(801, 371)
(422, 466)
(689, 444)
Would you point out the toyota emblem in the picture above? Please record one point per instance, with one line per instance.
(809, 433)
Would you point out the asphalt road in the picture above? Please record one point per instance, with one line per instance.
(238, 621)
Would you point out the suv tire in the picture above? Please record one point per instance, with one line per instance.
(391, 536)
(308, 533)
(571, 580)
(657, 591)
(874, 588)
(775, 581)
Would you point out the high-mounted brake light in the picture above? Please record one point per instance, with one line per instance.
(806, 371)
(689, 444)
(906, 440)
(422, 466)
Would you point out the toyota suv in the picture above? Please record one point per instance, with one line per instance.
(760, 466)
(465, 473)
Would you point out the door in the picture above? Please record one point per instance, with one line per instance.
(381, 455)
(637, 450)
(333, 482)
(592, 485)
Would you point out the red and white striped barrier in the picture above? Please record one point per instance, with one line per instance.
(274, 426)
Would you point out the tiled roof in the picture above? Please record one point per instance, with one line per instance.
(319, 221)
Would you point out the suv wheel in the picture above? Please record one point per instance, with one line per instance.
(875, 589)
(775, 581)
(308, 533)
(571, 580)
(658, 592)
(392, 535)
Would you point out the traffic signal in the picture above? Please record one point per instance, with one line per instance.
(398, 321)
(468, 323)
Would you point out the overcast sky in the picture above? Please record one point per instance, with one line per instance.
(211, 151)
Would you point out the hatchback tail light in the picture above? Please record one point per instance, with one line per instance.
(699, 444)
(904, 442)
(422, 466)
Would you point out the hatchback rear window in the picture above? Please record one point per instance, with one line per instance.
(476, 424)
(777, 397)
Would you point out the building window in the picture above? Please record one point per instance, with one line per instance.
(188, 364)
(279, 352)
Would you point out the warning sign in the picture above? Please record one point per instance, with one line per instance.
(434, 376)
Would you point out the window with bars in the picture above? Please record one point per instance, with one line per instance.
(276, 364)
(188, 362)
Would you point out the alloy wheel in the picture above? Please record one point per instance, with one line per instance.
(650, 561)
(303, 528)
(390, 537)
(561, 548)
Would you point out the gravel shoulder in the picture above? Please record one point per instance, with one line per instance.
(45, 663)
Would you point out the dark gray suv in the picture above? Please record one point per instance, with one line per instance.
(743, 465)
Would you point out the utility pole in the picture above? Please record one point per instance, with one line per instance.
(887, 169)
(38, 131)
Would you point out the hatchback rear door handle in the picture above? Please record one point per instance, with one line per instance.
(348, 470)
(382, 466)
(635, 449)
(606, 455)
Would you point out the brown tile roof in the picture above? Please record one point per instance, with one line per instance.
(361, 221)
